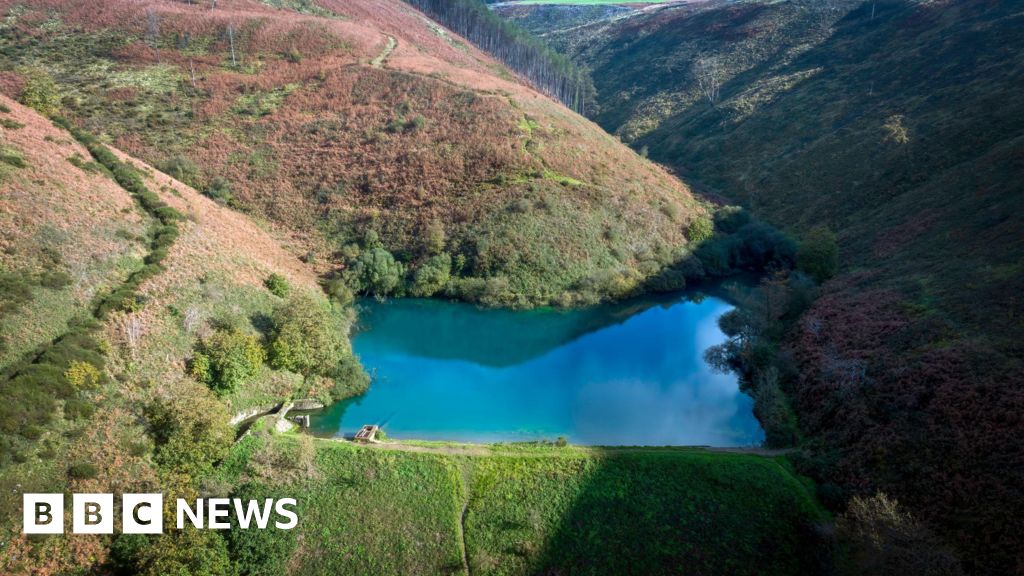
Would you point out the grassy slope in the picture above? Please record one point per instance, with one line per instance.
(39, 232)
(216, 267)
(904, 134)
(307, 132)
(535, 509)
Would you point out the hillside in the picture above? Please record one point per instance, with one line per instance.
(128, 412)
(897, 124)
(358, 125)
(105, 400)
(440, 508)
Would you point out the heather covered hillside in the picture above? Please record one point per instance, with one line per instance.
(899, 125)
(142, 314)
(375, 137)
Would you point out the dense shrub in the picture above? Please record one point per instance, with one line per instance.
(339, 292)
(186, 552)
(259, 552)
(190, 431)
(278, 285)
(180, 168)
(729, 219)
(40, 92)
(432, 276)
(307, 336)
(818, 255)
(376, 272)
(880, 538)
(83, 471)
(226, 359)
(699, 230)
(15, 291)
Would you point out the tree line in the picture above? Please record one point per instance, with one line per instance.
(547, 70)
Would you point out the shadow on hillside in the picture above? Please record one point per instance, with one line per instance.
(647, 512)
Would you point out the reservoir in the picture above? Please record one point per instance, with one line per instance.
(630, 373)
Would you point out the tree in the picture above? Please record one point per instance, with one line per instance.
(307, 336)
(376, 272)
(186, 552)
(40, 92)
(882, 538)
(432, 276)
(190, 431)
(707, 71)
(818, 255)
(226, 359)
(434, 238)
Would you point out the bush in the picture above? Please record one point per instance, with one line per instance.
(180, 168)
(83, 471)
(186, 552)
(432, 276)
(259, 552)
(40, 92)
(376, 272)
(730, 219)
(339, 292)
(190, 431)
(219, 190)
(83, 375)
(881, 538)
(307, 336)
(818, 255)
(699, 230)
(226, 359)
(277, 285)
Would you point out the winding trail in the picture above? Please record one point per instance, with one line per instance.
(378, 61)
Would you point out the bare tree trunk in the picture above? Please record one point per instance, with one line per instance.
(231, 40)
(192, 72)
(708, 72)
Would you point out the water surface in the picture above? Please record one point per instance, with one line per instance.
(623, 374)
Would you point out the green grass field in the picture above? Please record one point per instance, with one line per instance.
(529, 509)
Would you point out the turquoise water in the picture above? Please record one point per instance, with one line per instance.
(625, 374)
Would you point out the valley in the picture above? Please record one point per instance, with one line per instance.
(719, 287)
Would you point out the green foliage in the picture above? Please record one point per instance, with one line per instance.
(182, 169)
(227, 358)
(376, 272)
(12, 157)
(339, 292)
(83, 471)
(219, 189)
(818, 255)
(186, 553)
(699, 230)
(528, 509)
(278, 285)
(40, 92)
(434, 238)
(259, 552)
(83, 375)
(307, 336)
(190, 431)
(432, 276)
(15, 291)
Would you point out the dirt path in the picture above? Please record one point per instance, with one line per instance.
(388, 49)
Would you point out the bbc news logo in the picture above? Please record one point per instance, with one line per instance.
(144, 513)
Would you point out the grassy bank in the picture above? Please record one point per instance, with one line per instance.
(430, 508)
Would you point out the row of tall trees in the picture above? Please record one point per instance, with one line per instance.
(549, 71)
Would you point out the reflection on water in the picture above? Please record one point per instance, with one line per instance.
(627, 374)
